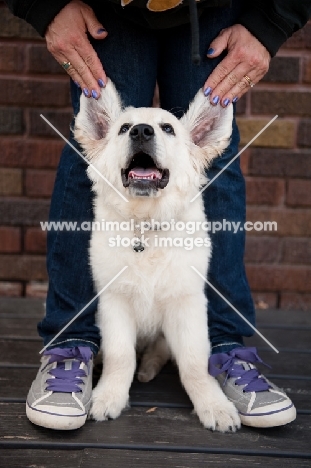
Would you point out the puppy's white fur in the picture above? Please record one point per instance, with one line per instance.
(159, 299)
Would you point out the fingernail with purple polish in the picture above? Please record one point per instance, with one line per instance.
(77, 84)
(226, 102)
(86, 92)
(94, 94)
(235, 99)
(210, 51)
(207, 91)
(215, 100)
(101, 30)
(101, 83)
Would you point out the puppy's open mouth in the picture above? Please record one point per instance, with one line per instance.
(144, 175)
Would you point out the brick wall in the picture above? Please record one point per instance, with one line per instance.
(277, 166)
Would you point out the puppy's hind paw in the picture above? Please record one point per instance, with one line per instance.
(221, 417)
(146, 374)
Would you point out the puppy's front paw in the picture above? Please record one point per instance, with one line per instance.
(107, 405)
(221, 416)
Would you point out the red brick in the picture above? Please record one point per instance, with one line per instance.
(41, 61)
(306, 73)
(241, 105)
(23, 212)
(60, 119)
(9, 289)
(11, 57)
(10, 239)
(279, 278)
(261, 191)
(295, 301)
(36, 289)
(297, 251)
(35, 241)
(262, 249)
(290, 222)
(265, 300)
(30, 153)
(22, 268)
(10, 182)
(283, 103)
(275, 162)
(280, 134)
(11, 121)
(300, 40)
(283, 70)
(244, 161)
(304, 133)
(39, 183)
(35, 92)
(298, 193)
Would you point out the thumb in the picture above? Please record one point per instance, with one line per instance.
(94, 27)
(218, 45)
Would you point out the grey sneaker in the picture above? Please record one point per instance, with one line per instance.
(260, 403)
(60, 396)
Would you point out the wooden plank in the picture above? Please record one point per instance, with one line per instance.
(20, 352)
(20, 306)
(26, 328)
(32, 458)
(32, 310)
(165, 388)
(96, 458)
(150, 459)
(286, 363)
(25, 352)
(162, 429)
(33, 307)
(23, 327)
(283, 317)
(295, 339)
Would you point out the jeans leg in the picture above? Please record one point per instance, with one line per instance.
(179, 81)
(129, 56)
(70, 284)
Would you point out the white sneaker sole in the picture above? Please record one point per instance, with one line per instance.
(279, 418)
(55, 421)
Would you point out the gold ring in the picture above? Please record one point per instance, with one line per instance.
(249, 81)
(66, 65)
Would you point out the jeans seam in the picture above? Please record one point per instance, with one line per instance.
(227, 344)
(73, 339)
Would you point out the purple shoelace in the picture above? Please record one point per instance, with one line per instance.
(226, 362)
(67, 381)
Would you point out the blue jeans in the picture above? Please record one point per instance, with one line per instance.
(135, 58)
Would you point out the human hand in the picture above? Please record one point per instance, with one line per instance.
(246, 57)
(67, 40)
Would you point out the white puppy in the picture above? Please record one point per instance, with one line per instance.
(155, 161)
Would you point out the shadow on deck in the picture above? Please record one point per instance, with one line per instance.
(159, 429)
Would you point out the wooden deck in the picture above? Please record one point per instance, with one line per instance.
(159, 429)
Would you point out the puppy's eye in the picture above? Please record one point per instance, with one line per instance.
(124, 128)
(167, 128)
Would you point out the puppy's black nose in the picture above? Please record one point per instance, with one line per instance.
(142, 132)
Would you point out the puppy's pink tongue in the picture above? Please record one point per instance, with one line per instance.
(141, 173)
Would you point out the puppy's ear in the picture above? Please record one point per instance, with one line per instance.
(96, 116)
(210, 126)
